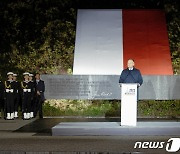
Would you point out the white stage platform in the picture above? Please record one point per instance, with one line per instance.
(115, 128)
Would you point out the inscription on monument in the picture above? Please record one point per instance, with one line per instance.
(107, 87)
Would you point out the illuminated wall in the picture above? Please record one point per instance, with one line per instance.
(106, 39)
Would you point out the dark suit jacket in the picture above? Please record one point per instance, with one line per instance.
(40, 86)
(131, 76)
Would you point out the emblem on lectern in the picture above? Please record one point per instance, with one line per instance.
(130, 91)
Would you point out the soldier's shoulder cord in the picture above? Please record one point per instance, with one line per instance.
(22, 85)
(6, 86)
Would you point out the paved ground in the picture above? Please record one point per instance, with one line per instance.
(34, 136)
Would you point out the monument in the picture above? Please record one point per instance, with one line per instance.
(105, 40)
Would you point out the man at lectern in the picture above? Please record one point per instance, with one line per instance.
(131, 74)
(129, 93)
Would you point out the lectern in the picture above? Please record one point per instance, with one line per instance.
(128, 104)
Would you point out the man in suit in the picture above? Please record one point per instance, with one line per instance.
(131, 74)
(40, 89)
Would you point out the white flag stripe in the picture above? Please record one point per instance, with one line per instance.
(99, 43)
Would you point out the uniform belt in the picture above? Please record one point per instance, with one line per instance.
(27, 90)
(9, 90)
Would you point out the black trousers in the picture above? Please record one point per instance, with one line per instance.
(38, 106)
(33, 105)
(9, 103)
(26, 103)
(16, 102)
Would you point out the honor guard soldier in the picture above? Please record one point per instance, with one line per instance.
(1, 97)
(26, 96)
(32, 85)
(9, 96)
(17, 95)
(40, 89)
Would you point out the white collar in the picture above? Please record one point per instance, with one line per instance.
(10, 80)
(131, 68)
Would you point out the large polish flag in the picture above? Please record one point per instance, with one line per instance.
(106, 39)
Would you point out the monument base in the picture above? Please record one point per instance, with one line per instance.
(115, 128)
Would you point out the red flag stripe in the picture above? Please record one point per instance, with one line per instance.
(145, 40)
